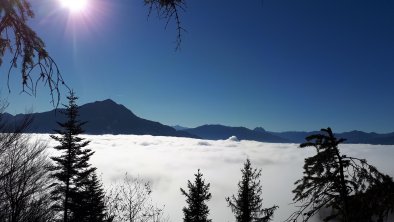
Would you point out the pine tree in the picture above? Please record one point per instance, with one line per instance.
(197, 210)
(95, 201)
(71, 169)
(90, 201)
(248, 205)
(342, 184)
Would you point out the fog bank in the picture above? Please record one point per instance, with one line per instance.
(169, 162)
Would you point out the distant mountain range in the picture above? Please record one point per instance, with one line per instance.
(178, 127)
(355, 136)
(259, 134)
(216, 132)
(108, 117)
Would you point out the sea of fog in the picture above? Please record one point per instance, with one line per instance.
(168, 162)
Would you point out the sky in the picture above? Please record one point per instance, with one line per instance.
(168, 162)
(279, 64)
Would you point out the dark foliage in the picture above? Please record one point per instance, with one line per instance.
(340, 183)
(248, 205)
(196, 209)
(90, 201)
(376, 202)
(71, 169)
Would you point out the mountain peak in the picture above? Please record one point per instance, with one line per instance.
(107, 102)
(260, 129)
(106, 108)
(178, 127)
(102, 103)
(103, 117)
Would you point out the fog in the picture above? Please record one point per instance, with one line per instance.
(168, 163)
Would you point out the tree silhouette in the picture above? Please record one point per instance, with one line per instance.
(131, 201)
(10, 133)
(168, 9)
(340, 183)
(71, 169)
(89, 202)
(27, 49)
(197, 210)
(24, 175)
(248, 205)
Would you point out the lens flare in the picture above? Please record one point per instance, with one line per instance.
(74, 5)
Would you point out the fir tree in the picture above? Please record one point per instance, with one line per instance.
(90, 201)
(342, 184)
(197, 210)
(248, 205)
(71, 169)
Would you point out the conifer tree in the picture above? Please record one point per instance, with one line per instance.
(197, 210)
(90, 201)
(71, 169)
(248, 205)
(341, 183)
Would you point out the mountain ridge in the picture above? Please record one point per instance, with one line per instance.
(109, 117)
(217, 131)
(102, 117)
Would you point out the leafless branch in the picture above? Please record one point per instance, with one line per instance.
(27, 51)
(24, 175)
(168, 10)
(131, 201)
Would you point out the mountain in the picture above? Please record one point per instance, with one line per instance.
(353, 137)
(215, 132)
(384, 139)
(293, 136)
(369, 138)
(260, 129)
(103, 117)
(260, 134)
(178, 127)
(108, 117)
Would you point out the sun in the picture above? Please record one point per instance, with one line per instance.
(74, 5)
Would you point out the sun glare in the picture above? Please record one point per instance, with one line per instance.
(74, 5)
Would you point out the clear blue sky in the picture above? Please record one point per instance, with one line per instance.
(279, 64)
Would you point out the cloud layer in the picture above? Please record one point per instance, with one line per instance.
(169, 162)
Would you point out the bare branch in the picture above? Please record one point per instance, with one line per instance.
(27, 51)
(168, 10)
(131, 200)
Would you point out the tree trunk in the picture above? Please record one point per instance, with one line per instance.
(343, 191)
